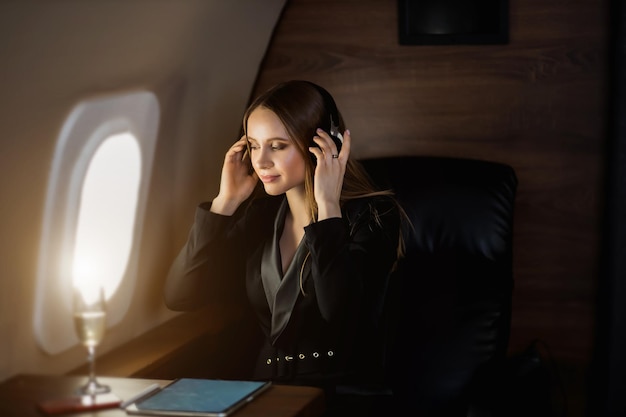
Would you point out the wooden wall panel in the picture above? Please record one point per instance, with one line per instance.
(537, 103)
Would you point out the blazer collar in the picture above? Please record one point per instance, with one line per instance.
(281, 290)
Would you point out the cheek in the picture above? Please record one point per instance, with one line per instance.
(294, 163)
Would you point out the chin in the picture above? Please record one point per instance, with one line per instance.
(273, 190)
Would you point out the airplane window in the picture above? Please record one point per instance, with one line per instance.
(93, 216)
(104, 233)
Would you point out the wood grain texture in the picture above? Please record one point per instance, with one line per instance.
(538, 103)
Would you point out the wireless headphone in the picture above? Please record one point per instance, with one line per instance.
(331, 108)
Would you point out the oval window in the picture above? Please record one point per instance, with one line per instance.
(106, 217)
(95, 211)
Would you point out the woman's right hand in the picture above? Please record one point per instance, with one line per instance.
(238, 179)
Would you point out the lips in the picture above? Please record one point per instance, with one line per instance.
(268, 178)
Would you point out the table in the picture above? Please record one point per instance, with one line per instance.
(19, 396)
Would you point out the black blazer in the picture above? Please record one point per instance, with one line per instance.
(322, 318)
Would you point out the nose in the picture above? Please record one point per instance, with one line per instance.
(261, 158)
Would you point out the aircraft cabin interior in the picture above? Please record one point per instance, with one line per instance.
(499, 124)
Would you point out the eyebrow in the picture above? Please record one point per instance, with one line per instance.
(250, 139)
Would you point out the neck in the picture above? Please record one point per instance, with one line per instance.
(298, 207)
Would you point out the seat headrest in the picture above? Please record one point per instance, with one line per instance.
(452, 203)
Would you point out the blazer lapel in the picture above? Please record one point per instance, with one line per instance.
(288, 293)
(281, 291)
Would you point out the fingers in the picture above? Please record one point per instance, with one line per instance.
(346, 145)
(238, 178)
(241, 144)
(327, 147)
(326, 144)
(238, 150)
(317, 152)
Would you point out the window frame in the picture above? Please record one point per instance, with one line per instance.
(87, 126)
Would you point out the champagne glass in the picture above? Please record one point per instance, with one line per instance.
(90, 324)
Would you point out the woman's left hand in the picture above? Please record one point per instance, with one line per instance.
(329, 173)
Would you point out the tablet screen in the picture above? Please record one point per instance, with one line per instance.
(199, 397)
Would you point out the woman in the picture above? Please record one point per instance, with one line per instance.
(312, 253)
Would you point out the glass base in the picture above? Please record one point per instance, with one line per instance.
(93, 388)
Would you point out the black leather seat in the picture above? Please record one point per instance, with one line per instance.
(449, 303)
(448, 306)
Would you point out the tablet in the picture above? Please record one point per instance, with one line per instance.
(199, 397)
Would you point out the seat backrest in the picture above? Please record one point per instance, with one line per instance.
(450, 297)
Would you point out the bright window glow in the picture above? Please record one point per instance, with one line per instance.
(95, 210)
(106, 219)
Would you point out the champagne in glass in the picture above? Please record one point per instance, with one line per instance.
(90, 324)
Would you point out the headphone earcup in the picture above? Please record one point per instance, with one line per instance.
(338, 142)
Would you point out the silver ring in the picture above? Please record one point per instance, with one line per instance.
(335, 156)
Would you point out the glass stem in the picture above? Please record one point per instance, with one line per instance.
(92, 364)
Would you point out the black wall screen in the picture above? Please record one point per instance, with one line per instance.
(424, 22)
